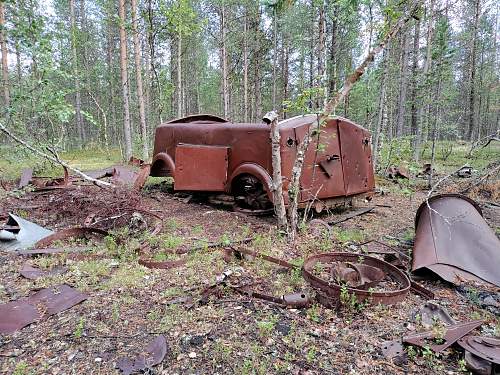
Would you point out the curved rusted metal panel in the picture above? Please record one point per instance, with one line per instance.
(255, 170)
(163, 165)
(454, 241)
(199, 117)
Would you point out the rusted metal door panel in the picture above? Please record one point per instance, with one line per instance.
(200, 167)
(326, 179)
(356, 158)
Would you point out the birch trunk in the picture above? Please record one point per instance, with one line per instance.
(245, 68)
(179, 76)
(78, 100)
(402, 86)
(472, 75)
(124, 77)
(294, 187)
(225, 78)
(138, 75)
(382, 109)
(414, 77)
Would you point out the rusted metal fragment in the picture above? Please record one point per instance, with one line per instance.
(430, 313)
(478, 365)
(453, 333)
(397, 172)
(484, 347)
(75, 232)
(357, 275)
(33, 273)
(136, 162)
(163, 265)
(421, 290)
(329, 293)
(19, 234)
(351, 215)
(18, 314)
(153, 355)
(48, 183)
(142, 176)
(296, 300)
(26, 176)
(394, 350)
(51, 250)
(454, 241)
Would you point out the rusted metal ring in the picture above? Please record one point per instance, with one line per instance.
(69, 233)
(331, 291)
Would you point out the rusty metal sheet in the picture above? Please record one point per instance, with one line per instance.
(484, 347)
(19, 239)
(432, 312)
(151, 356)
(329, 292)
(356, 158)
(478, 365)
(18, 314)
(454, 241)
(33, 273)
(453, 333)
(201, 167)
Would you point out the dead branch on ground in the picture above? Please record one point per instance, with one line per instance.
(53, 159)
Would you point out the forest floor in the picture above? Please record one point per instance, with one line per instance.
(129, 305)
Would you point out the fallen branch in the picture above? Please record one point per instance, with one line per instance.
(53, 159)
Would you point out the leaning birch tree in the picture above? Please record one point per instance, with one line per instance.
(331, 105)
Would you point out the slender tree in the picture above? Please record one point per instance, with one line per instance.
(3, 48)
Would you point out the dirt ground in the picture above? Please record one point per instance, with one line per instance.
(129, 305)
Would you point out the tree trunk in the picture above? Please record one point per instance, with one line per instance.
(3, 48)
(275, 53)
(382, 108)
(425, 85)
(124, 76)
(179, 76)
(225, 78)
(414, 80)
(321, 54)
(245, 68)
(402, 85)
(472, 75)
(78, 100)
(138, 75)
(332, 84)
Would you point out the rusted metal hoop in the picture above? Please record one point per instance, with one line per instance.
(331, 291)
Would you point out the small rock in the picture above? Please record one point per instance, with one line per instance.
(98, 359)
(192, 355)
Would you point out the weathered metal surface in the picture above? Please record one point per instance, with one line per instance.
(437, 344)
(397, 172)
(357, 275)
(200, 167)
(75, 232)
(12, 239)
(454, 241)
(33, 273)
(297, 300)
(393, 349)
(331, 291)
(18, 314)
(478, 365)
(151, 356)
(356, 158)
(431, 313)
(421, 290)
(484, 347)
(249, 152)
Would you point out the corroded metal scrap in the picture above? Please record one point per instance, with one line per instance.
(454, 241)
(18, 314)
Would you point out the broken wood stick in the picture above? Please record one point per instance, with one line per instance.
(53, 159)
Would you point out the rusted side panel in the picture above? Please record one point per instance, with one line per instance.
(454, 241)
(356, 158)
(200, 167)
(322, 175)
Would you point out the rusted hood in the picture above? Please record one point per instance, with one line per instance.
(454, 241)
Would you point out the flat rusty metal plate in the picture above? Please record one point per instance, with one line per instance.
(453, 333)
(454, 241)
(18, 314)
(356, 158)
(152, 355)
(200, 167)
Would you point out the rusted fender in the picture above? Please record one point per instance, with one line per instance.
(255, 170)
(454, 241)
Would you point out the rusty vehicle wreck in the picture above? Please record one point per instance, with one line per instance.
(206, 153)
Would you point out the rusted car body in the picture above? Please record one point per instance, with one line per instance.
(208, 153)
